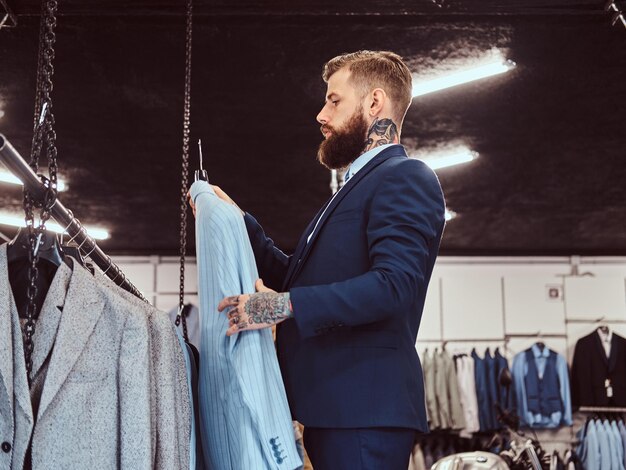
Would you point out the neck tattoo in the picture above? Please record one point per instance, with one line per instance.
(381, 132)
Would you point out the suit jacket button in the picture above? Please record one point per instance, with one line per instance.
(6, 447)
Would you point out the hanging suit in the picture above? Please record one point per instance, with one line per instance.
(430, 390)
(245, 418)
(94, 410)
(591, 368)
(485, 406)
(171, 413)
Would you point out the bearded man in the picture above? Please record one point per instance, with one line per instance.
(350, 299)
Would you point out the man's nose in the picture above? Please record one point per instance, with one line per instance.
(322, 118)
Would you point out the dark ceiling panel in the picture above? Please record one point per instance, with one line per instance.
(550, 178)
(312, 7)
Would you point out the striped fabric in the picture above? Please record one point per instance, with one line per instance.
(244, 415)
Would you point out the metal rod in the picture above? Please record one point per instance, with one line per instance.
(18, 166)
(602, 409)
(593, 320)
(536, 335)
(471, 340)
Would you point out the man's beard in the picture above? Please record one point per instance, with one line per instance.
(344, 145)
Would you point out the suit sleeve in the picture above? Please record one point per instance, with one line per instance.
(404, 224)
(271, 262)
(134, 395)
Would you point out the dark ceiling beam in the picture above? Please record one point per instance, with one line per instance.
(350, 8)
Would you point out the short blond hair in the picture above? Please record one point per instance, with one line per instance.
(376, 69)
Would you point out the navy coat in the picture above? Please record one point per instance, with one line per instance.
(348, 356)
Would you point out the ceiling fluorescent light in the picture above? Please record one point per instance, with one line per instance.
(442, 158)
(495, 66)
(17, 221)
(450, 215)
(456, 158)
(7, 177)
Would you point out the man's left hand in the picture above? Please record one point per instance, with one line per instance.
(263, 309)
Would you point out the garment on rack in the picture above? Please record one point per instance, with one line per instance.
(467, 389)
(486, 414)
(542, 388)
(596, 379)
(447, 392)
(196, 462)
(193, 323)
(171, 414)
(429, 390)
(505, 398)
(491, 367)
(244, 413)
(622, 432)
(90, 404)
(589, 447)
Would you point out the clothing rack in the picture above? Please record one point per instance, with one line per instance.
(86, 244)
(594, 320)
(602, 409)
(463, 340)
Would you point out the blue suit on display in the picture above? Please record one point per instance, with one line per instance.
(357, 288)
(244, 415)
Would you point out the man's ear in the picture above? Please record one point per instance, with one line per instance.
(378, 98)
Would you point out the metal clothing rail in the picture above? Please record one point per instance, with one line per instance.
(602, 409)
(86, 244)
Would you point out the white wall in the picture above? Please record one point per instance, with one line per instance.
(471, 301)
(511, 302)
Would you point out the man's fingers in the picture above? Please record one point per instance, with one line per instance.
(228, 302)
(260, 287)
(232, 312)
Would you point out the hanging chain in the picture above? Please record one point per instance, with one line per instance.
(185, 171)
(43, 132)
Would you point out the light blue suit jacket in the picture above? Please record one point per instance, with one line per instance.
(619, 445)
(605, 444)
(244, 415)
(590, 448)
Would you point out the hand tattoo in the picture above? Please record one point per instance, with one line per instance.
(268, 307)
(381, 132)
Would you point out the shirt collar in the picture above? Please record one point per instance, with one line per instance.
(605, 337)
(364, 159)
(539, 353)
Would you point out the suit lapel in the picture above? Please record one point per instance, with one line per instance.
(6, 327)
(295, 259)
(12, 362)
(49, 317)
(82, 309)
(615, 352)
(600, 348)
(353, 182)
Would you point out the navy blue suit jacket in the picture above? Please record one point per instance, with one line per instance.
(357, 288)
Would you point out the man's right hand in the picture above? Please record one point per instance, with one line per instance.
(219, 193)
(226, 198)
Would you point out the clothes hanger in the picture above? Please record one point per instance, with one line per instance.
(540, 344)
(48, 248)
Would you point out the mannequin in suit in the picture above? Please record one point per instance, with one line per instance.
(350, 298)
